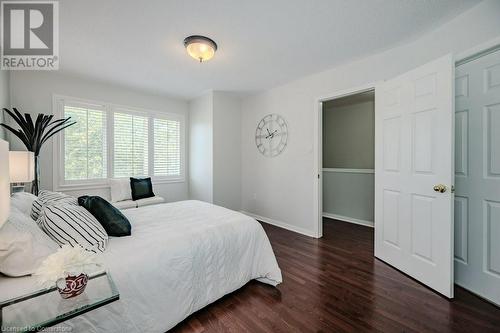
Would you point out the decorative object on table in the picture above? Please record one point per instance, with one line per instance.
(44, 308)
(4, 182)
(68, 269)
(35, 134)
(271, 135)
(141, 188)
(112, 220)
(22, 169)
(72, 286)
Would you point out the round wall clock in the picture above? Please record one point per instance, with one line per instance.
(271, 135)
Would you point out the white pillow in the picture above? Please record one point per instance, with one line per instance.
(49, 197)
(73, 225)
(120, 189)
(23, 245)
(22, 201)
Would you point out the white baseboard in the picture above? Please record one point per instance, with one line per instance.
(348, 219)
(281, 224)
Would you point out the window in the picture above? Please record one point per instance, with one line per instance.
(85, 144)
(131, 145)
(167, 152)
(110, 141)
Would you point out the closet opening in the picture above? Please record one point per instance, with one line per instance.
(348, 158)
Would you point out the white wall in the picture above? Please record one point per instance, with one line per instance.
(349, 135)
(4, 98)
(31, 91)
(282, 188)
(349, 196)
(227, 150)
(215, 149)
(201, 148)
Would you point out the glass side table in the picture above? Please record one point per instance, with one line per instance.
(45, 308)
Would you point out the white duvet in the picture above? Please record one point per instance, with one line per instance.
(181, 257)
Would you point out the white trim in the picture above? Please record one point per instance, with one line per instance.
(280, 224)
(105, 185)
(477, 50)
(349, 219)
(341, 170)
(318, 147)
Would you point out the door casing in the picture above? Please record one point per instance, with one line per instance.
(318, 149)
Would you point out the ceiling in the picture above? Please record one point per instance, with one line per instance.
(262, 43)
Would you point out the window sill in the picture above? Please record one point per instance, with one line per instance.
(97, 186)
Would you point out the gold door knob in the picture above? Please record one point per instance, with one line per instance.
(441, 188)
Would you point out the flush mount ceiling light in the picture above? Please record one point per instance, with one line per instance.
(200, 47)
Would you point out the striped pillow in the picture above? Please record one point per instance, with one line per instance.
(74, 225)
(49, 197)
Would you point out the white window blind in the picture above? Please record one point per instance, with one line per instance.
(85, 144)
(130, 145)
(112, 141)
(167, 147)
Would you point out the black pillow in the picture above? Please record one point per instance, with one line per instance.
(141, 188)
(113, 221)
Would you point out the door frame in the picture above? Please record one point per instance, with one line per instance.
(318, 147)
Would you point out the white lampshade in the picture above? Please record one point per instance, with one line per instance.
(22, 166)
(4, 182)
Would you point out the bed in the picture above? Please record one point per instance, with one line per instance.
(181, 257)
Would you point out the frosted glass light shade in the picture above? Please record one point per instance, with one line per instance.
(22, 166)
(4, 182)
(200, 48)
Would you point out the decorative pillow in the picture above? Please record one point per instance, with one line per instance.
(113, 221)
(120, 189)
(141, 188)
(22, 201)
(48, 197)
(73, 225)
(23, 245)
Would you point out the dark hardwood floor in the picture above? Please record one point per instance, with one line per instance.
(334, 284)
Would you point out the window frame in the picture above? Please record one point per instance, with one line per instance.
(59, 181)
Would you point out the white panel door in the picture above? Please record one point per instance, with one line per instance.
(413, 154)
(477, 169)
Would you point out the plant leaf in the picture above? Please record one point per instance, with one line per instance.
(29, 122)
(22, 123)
(57, 131)
(20, 134)
(54, 125)
(14, 116)
(38, 131)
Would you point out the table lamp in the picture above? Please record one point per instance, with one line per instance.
(22, 169)
(4, 182)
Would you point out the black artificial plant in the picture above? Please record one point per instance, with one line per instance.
(35, 134)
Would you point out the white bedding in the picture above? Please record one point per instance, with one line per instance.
(181, 256)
